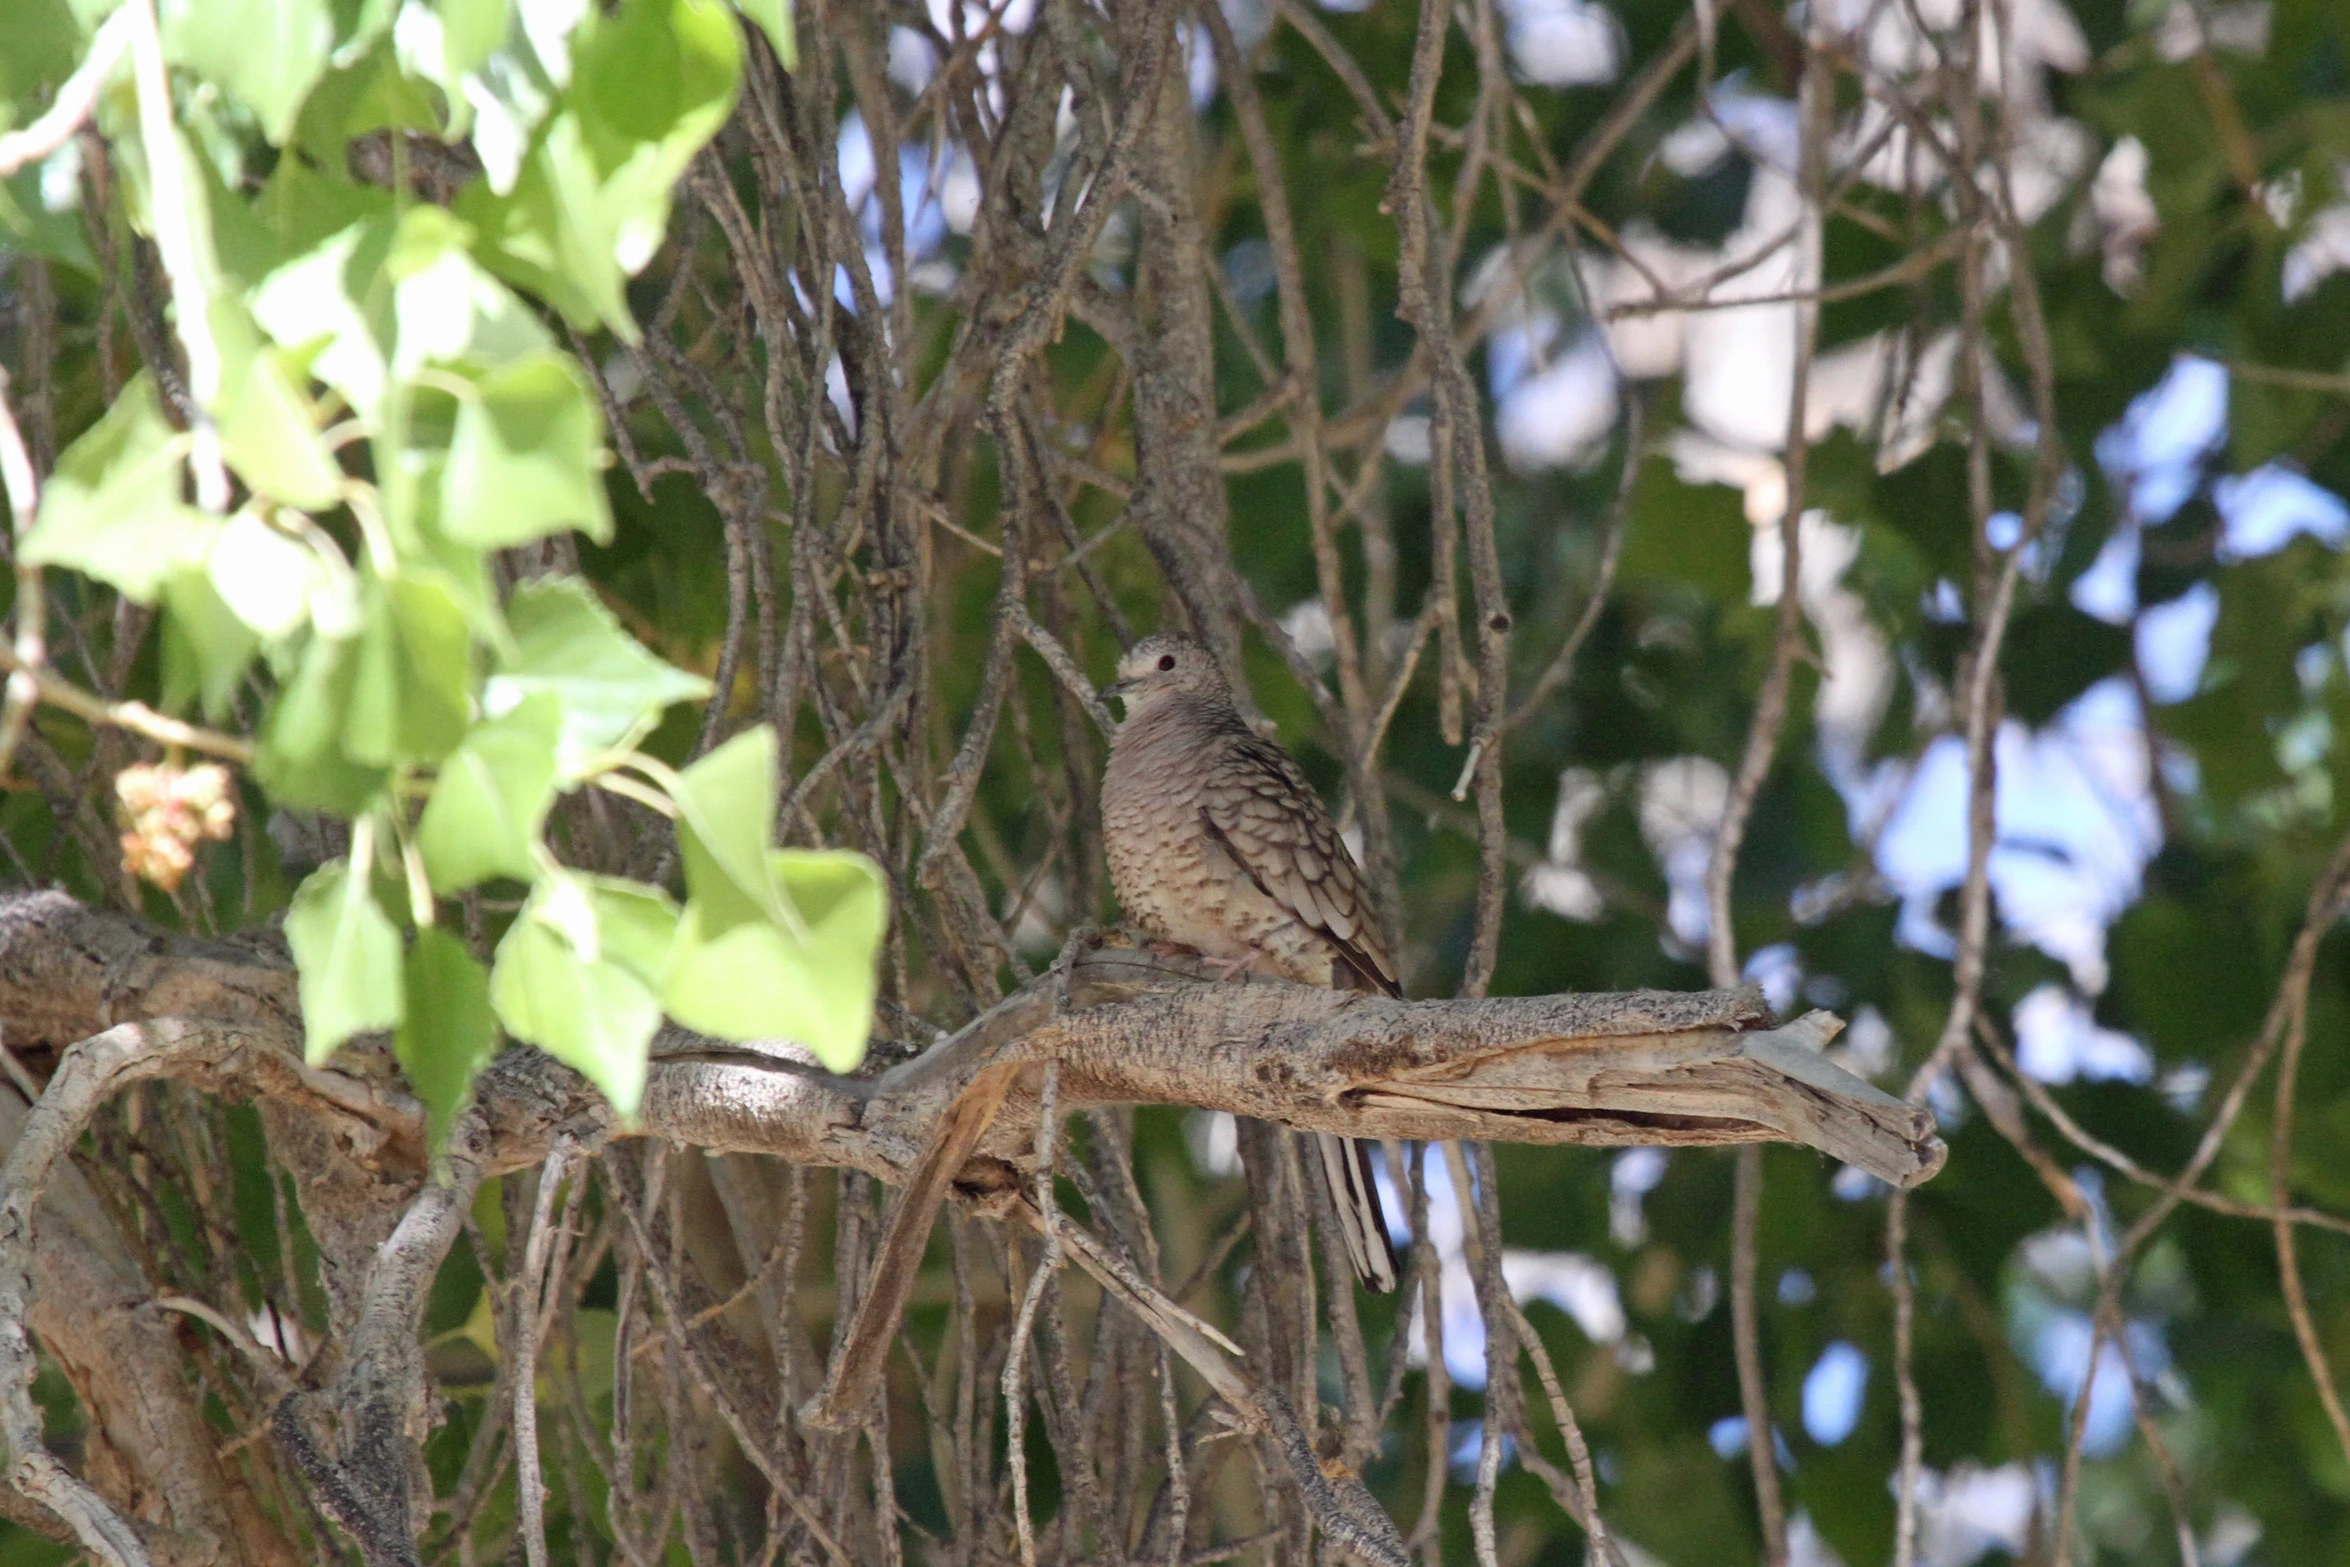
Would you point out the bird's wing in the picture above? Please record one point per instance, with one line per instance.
(1268, 819)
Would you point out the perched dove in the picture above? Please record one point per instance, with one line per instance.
(1216, 842)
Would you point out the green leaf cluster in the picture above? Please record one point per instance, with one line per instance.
(393, 410)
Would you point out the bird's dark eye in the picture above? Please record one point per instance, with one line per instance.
(1166, 661)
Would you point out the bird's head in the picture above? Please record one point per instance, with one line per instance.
(1163, 666)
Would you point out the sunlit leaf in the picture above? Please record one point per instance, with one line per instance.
(267, 426)
(40, 44)
(577, 975)
(113, 509)
(525, 460)
(636, 926)
(448, 1032)
(206, 648)
(445, 308)
(301, 760)
(748, 978)
(726, 806)
(267, 579)
(569, 646)
(471, 31)
(590, 202)
(348, 953)
(298, 208)
(411, 675)
(551, 234)
(490, 799)
(436, 665)
(776, 942)
(334, 301)
(32, 223)
(377, 94)
(268, 52)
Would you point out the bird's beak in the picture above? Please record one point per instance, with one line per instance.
(1117, 688)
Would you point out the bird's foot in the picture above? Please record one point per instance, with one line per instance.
(1219, 969)
(1234, 965)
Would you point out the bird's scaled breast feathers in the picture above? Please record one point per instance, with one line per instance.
(1216, 841)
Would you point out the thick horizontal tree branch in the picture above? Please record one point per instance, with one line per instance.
(1128, 1027)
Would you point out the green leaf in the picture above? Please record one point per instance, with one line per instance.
(653, 80)
(460, 568)
(39, 47)
(432, 300)
(31, 226)
(2267, 421)
(525, 459)
(413, 673)
(272, 581)
(300, 759)
(569, 646)
(371, 728)
(471, 31)
(2058, 653)
(335, 301)
(726, 821)
(578, 976)
(775, 942)
(206, 648)
(750, 979)
(348, 954)
(1693, 533)
(448, 1033)
(270, 53)
(298, 209)
(653, 83)
(449, 42)
(270, 431)
(774, 19)
(551, 234)
(509, 92)
(375, 93)
(445, 308)
(491, 799)
(636, 924)
(436, 665)
(112, 510)
(596, 1018)
(590, 205)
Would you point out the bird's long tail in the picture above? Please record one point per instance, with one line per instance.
(1346, 1165)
